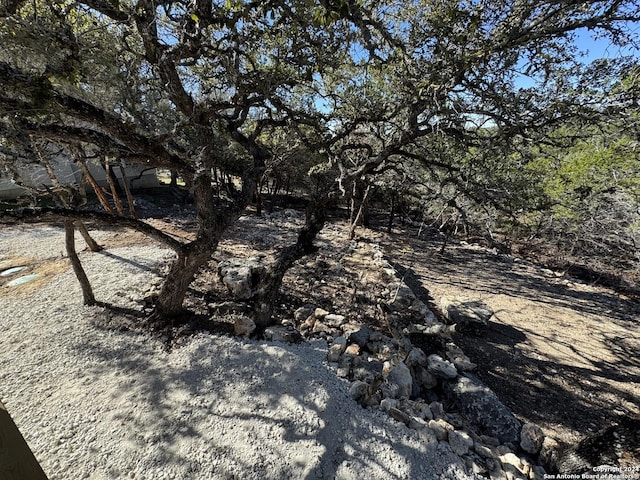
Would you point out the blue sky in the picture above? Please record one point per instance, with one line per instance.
(602, 47)
(595, 47)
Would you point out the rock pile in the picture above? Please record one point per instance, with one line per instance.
(430, 390)
(413, 387)
(404, 362)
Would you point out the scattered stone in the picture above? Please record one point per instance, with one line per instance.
(549, 452)
(440, 429)
(399, 415)
(401, 377)
(456, 356)
(320, 313)
(497, 473)
(358, 390)
(416, 357)
(308, 324)
(483, 408)
(403, 299)
(320, 326)
(531, 438)
(361, 336)
(454, 419)
(344, 366)
(417, 423)
(477, 467)
(423, 411)
(242, 275)
(483, 450)
(423, 378)
(334, 320)
(377, 337)
(243, 326)
(435, 329)
(303, 313)
(388, 403)
(470, 316)
(278, 333)
(353, 349)
(489, 440)
(514, 466)
(460, 442)
(503, 449)
(367, 371)
(337, 349)
(437, 409)
(440, 367)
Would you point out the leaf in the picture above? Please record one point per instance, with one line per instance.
(195, 18)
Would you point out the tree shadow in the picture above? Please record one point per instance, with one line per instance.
(568, 385)
(137, 264)
(223, 397)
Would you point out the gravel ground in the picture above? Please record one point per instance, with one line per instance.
(101, 404)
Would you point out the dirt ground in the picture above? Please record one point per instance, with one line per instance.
(558, 352)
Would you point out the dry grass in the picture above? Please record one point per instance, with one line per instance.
(46, 270)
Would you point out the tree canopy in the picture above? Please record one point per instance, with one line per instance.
(461, 96)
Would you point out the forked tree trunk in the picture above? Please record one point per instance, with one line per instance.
(269, 287)
(213, 222)
(358, 216)
(91, 243)
(87, 292)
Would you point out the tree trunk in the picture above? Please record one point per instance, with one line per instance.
(127, 191)
(213, 222)
(176, 285)
(269, 289)
(359, 215)
(87, 292)
(96, 188)
(91, 243)
(259, 196)
(113, 187)
(392, 213)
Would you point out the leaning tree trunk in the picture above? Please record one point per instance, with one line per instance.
(113, 186)
(66, 202)
(213, 222)
(269, 288)
(87, 292)
(356, 219)
(127, 191)
(91, 243)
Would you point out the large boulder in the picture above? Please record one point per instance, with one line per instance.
(242, 276)
(399, 378)
(469, 316)
(483, 408)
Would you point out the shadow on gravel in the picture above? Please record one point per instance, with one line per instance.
(224, 408)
